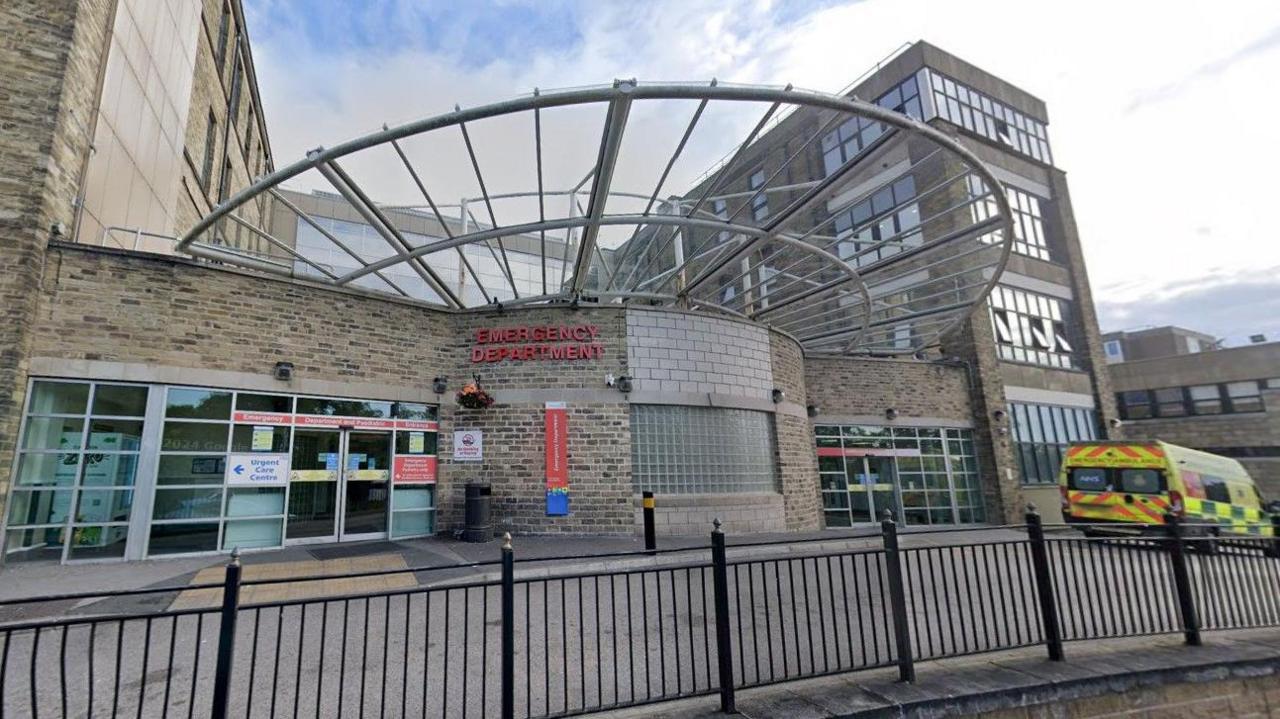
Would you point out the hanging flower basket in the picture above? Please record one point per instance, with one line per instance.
(471, 396)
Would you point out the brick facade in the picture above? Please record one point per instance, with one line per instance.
(49, 62)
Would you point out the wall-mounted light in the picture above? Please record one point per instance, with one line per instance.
(811, 410)
(439, 385)
(891, 414)
(624, 384)
(998, 415)
(1115, 422)
(609, 379)
(777, 395)
(283, 371)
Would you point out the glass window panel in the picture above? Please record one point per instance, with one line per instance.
(58, 398)
(194, 437)
(39, 506)
(28, 545)
(183, 538)
(198, 403)
(406, 439)
(114, 435)
(408, 524)
(343, 407)
(413, 498)
(98, 542)
(109, 470)
(702, 450)
(191, 469)
(53, 433)
(413, 410)
(47, 469)
(255, 501)
(187, 503)
(120, 400)
(104, 505)
(247, 402)
(252, 533)
(242, 438)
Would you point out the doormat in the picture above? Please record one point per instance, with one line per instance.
(363, 549)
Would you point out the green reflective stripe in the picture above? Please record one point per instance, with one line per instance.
(1237, 511)
(1208, 507)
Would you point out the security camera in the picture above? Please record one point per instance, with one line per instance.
(609, 381)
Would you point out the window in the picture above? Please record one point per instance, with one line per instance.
(1041, 434)
(77, 465)
(1205, 399)
(1193, 345)
(881, 226)
(1169, 402)
(1113, 350)
(981, 115)
(1030, 327)
(759, 202)
(224, 29)
(1244, 396)
(1141, 481)
(856, 134)
(1215, 489)
(1090, 479)
(210, 140)
(701, 450)
(237, 71)
(935, 473)
(224, 185)
(1028, 224)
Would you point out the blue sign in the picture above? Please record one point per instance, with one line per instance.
(331, 461)
(557, 503)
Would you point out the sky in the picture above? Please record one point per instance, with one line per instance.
(1161, 113)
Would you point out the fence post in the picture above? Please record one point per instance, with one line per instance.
(897, 598)
(1273, 547)
(1182, 579)
(1044, 584)
(508, 629)
(650, 533)
(724, 646)
(226, 636)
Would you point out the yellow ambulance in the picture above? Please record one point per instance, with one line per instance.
(1131, 486)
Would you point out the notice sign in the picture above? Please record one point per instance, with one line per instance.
(263, 438)
(414, 470)
(557, 458)
(468, 445)
(417, 442)
(257, 469)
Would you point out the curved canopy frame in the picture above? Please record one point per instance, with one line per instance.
(905, 233)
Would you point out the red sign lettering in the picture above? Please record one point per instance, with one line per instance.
(537, 343)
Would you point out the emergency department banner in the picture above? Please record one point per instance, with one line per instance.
(557, 455)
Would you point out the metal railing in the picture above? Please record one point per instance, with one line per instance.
(653, 625)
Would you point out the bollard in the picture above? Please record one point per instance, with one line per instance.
(508, 629)
(226, 637)
(650, 534)
(1044, 584)
(1182, 580)
(724, 645)
(897, 598)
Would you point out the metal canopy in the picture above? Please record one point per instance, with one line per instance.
(854, 228)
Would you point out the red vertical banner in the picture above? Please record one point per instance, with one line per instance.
(557, 459)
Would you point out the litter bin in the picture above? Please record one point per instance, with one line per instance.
(478, 514)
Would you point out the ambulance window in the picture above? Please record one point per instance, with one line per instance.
(1089, 479)
(1215, 490)
(1141, 481)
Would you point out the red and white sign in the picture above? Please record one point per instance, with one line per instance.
(537, 343)
(315, 420)
(468, 445)
(557, 459)
(413, 469)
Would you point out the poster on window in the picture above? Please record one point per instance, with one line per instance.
(413, 470)
(557, 459)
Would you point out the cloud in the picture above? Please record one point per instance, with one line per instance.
(1207, 71)
(1230, 305)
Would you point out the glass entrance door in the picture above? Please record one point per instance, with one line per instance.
(339, 485)
(861, 492)
(366, 485)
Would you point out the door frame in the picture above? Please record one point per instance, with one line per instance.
(340, 492)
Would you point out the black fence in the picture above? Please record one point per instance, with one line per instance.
(546, 642)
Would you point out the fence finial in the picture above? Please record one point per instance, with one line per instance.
(506, 540)
(715, 523)
(235, 555)
(887, 515)
(1031, 508)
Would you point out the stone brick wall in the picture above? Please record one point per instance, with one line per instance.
(695, 515)
(49, 65)
(867, 387)
(684, 352)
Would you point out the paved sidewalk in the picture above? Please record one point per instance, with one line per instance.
(36, 580)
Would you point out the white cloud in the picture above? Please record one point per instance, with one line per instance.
(1160, 112)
